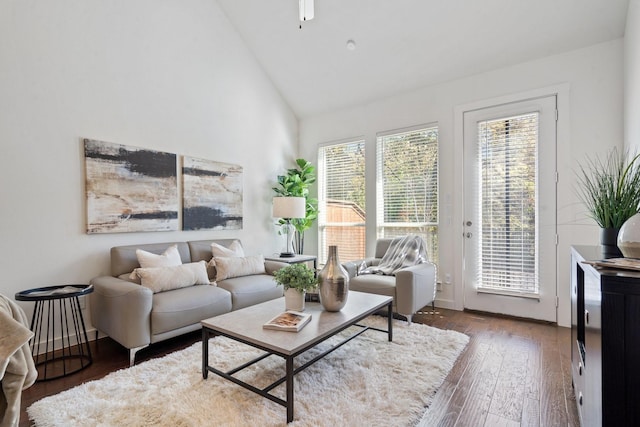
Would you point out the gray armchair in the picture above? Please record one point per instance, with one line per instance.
(412, 287)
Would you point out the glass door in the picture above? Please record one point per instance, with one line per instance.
(510, 209)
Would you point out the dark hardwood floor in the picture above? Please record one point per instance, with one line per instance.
(513, 372)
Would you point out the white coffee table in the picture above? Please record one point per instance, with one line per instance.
(245, 326)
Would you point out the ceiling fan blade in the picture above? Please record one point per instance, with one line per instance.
(306, 10)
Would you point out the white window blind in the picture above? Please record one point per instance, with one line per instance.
(407, 198)
(508, 153)
(341, 198)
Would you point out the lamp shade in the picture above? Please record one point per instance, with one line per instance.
(289, 207)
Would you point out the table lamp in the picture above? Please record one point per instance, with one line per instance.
(288, 208)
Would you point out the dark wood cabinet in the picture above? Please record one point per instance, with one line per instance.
(605, 335)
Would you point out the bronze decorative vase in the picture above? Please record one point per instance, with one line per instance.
(333, 283)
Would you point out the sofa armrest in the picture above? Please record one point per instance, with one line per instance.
(352, 267)
(415, 287)
(273, 266)
(122, 310)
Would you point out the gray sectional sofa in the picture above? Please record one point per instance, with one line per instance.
(135, 316)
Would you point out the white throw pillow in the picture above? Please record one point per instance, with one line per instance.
(228, 267)
(160, 279)
(234, 250)
(169, 257)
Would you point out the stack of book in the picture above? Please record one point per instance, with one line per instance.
(616, 263)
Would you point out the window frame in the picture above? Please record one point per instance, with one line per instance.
(323, 224)
(381, 226)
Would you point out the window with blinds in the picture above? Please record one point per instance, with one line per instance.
(407, 190)
(341, 199)
(508, 153)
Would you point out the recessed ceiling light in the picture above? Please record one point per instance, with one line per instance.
(351, 45)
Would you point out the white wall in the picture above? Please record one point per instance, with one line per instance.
(161, 74)
(632, 78)
(590, 110)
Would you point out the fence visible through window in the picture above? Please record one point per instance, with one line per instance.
(341, 194)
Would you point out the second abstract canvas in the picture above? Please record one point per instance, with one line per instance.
(212, 195)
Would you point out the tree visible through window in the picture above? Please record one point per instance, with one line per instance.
(407, 198)
(508, 150)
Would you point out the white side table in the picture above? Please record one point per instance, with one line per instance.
(295, 259)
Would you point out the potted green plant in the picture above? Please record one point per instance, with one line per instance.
(296, 183)
(296, 279)
(610, 190)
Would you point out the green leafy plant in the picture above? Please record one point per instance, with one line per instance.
(296, 276)
(610, 188)
(296, 183)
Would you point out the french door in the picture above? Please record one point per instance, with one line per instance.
(510, 209)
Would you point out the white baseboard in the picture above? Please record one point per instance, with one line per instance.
(446, 303)
(57, 341)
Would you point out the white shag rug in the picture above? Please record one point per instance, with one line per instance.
(368, 381)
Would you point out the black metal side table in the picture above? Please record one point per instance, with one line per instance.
(64, 315)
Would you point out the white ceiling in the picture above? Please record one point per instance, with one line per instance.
(405, 44)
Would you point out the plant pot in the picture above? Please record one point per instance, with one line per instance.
(294, 299)
(609, 242)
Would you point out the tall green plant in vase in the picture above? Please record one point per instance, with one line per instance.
(610, 190)
(296, 183)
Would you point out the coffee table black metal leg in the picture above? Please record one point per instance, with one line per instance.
(205, 353)
(390, 321)
(289, 373)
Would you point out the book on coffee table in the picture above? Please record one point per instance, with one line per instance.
(288, 321)
(616, 263)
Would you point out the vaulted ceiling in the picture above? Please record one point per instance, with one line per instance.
(401, 45)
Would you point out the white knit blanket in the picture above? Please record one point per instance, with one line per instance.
(402, 252)
(17, 370)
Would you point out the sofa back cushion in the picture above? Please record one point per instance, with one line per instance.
(124, 259)
(382, 245)
(201, 249)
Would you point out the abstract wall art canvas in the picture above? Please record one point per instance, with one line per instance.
(129, 189)
(212, 195)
